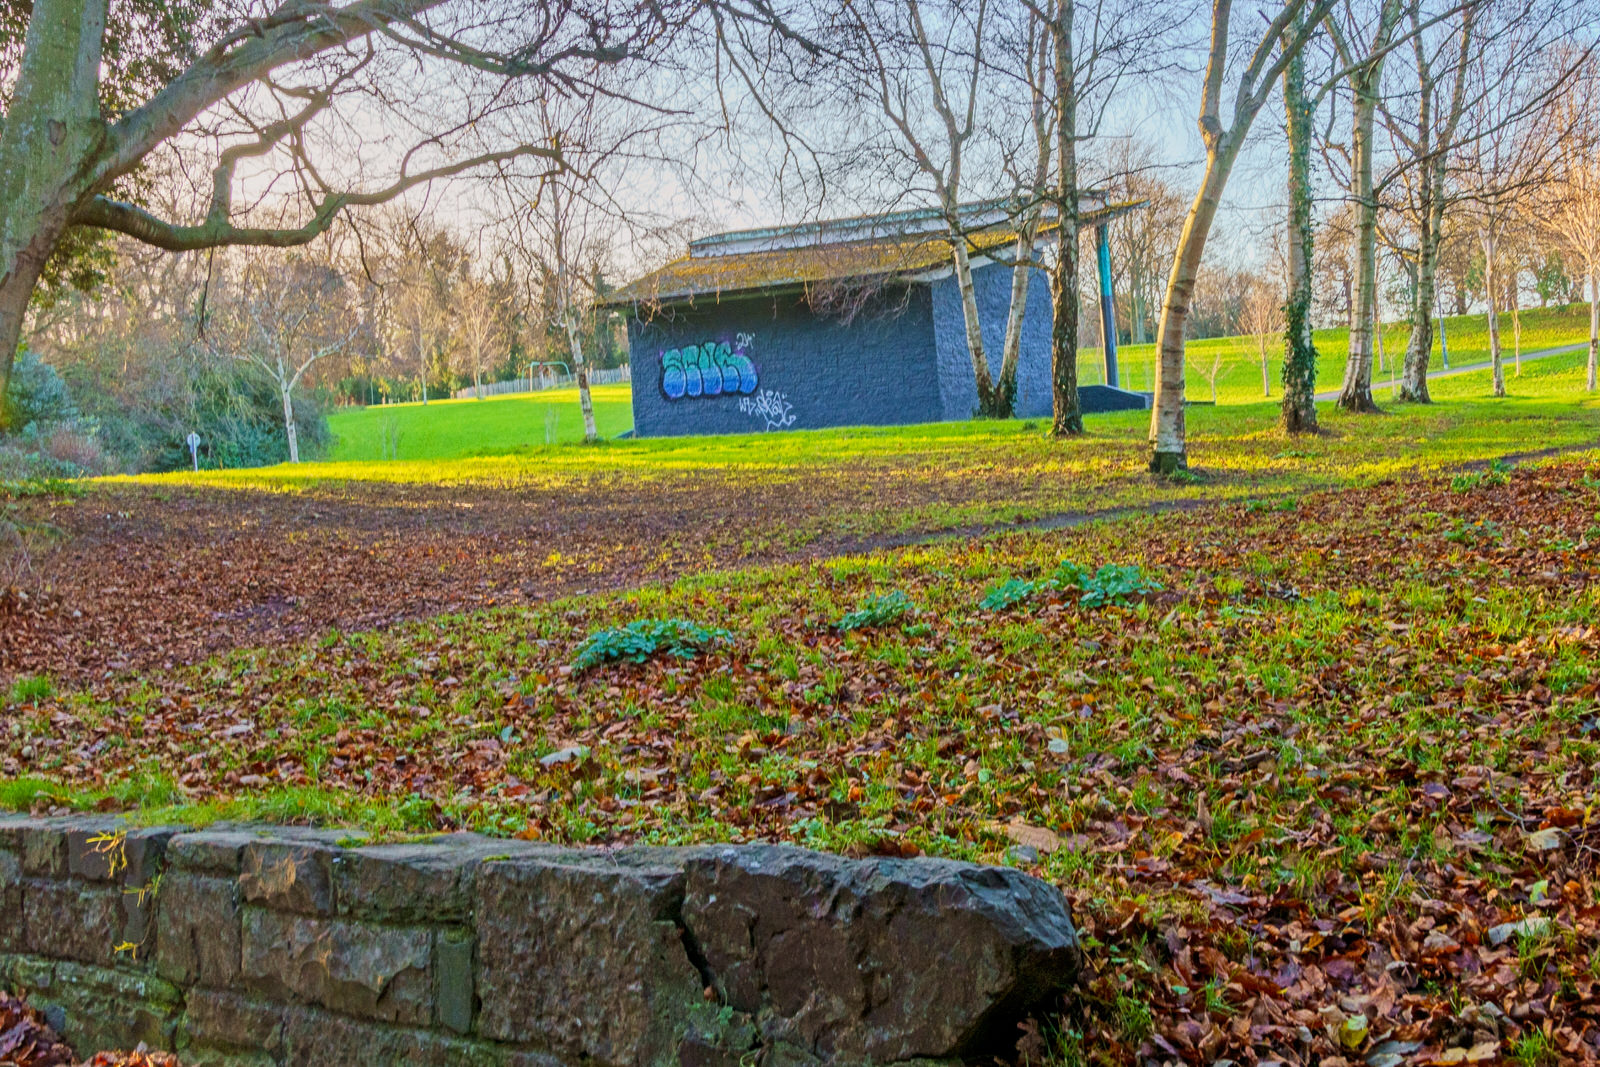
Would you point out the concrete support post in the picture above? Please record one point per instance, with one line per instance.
(1108, 304)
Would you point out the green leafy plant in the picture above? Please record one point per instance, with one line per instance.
(876, 611)
(1466, 532)
(1113, 583)
(1010, 593)
(1497, 473)
(643, 638)
(18, 488)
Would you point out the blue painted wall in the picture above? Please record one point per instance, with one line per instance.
(810, 370)
(752, 364)
(992, 283)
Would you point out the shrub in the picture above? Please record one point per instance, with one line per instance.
(877, 611)
(643, 638)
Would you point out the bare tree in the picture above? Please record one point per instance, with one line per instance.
(1263, 320)
(924, 75)
(1572, 201)
(480, 323)
(265, 84)
(282, 318)
(1283, 38)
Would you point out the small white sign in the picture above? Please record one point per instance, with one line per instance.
(194, 448)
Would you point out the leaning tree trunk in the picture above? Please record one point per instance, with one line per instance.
(1299, 351)
(51, 127)
(1356, 395)
(1011, 352)
(988, 403)
(1168, 434)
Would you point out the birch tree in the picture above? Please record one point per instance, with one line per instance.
(1279, 43)
(1364, 73)
(1571, 204)
(281, 319)
(924, 75)
(481, 324)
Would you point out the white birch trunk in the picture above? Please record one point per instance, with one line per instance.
(1489, 284)
(580, 370)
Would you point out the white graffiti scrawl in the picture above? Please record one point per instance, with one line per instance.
(769, 405)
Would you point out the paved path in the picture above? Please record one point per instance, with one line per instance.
(1540, 353)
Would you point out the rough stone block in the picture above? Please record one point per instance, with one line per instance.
(44, 848)
(881, 960)
(414, 883)
(215, 850)
(288, 876)
(313, 1038)
(372, 971)
(73, 921)
(581, 951)
(10, 902)
(130, 857)
(96, 1008)
(197, 929)
(453, 992)
(229, 1022)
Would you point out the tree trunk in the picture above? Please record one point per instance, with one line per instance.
(1594, 324)
(988, 402)
(1299, 351)
(286, 391)
(1516, 318)
(1066, 408)
(1266, 375)
(422, 371)
(1419, 348)
(52, 129)
(1492, 297)
(1356, 395)
(1011, 352)
(1168, 433)
(580, 370)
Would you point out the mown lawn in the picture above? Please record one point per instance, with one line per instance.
(528, 424)
(496, 425)
(1239, 375)
(1327, 757)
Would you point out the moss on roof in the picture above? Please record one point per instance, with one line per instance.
(869, 262)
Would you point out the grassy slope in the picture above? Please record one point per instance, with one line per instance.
(525, 424)
(1239, 378)
(448, 429)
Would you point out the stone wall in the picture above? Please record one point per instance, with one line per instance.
(251, 945)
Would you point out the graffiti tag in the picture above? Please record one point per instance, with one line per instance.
(770, 406)
(711, 369)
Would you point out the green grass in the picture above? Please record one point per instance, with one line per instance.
(530, 424)
(1239, 377)
(499, 425)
